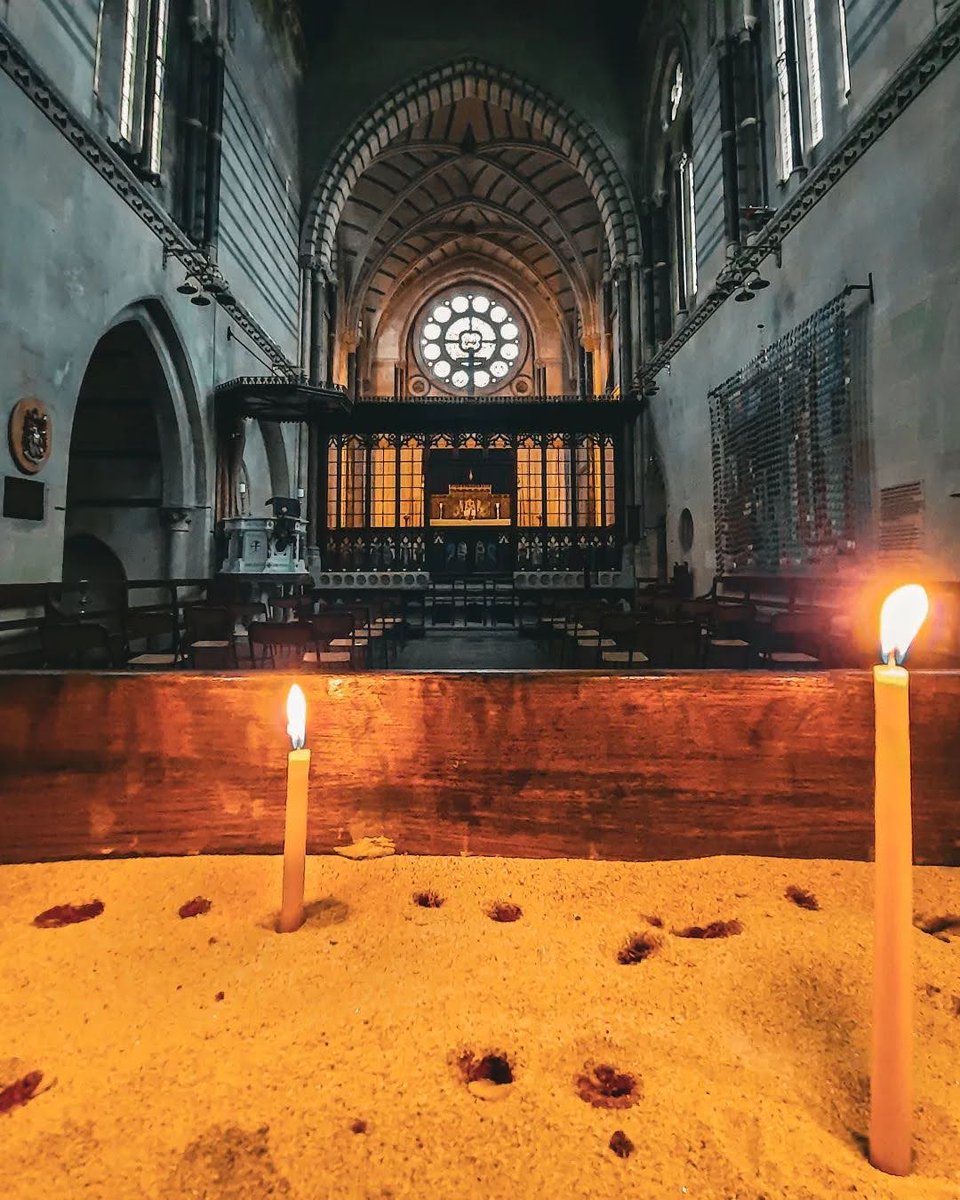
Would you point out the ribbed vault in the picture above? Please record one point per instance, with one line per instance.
(458, 177)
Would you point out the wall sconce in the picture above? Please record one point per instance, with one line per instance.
(189, 287)
(218, 288)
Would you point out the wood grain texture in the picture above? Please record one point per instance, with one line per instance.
(549, 764)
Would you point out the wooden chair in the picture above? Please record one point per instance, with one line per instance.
(290, 608)
(242, 613)
(585, 636)
(73, 645)
(281, 645)
(161, 637)
(791, 641)
(631, 637)
(336, 639)
(209, 637)
(731, 636)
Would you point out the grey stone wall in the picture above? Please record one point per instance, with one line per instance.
(76, 258)
(893, 214)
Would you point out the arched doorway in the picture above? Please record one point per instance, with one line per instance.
(136, 458)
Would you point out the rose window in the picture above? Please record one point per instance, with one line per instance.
(469, 342)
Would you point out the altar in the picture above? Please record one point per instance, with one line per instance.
(466, 504)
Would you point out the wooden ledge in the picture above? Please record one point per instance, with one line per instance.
(538, 764)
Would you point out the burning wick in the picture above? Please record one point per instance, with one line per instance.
(295, 825)
(891, 1082)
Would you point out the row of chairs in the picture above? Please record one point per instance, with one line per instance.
(679, 635)
(229, 636)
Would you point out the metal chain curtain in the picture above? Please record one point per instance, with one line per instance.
(781, 428)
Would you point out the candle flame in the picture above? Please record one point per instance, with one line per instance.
(903, 612)
(296, 716)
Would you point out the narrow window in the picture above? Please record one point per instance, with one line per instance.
(383, 495)
(411, 484)
(815, 98)
(156, 101)
(558, 483)
(844, 51)
(129, 72)
(529, 484)
(788, 89)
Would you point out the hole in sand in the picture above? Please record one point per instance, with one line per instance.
(938, 926)
(504, 911)
(802, 898)
(716, 929)
(621, 1145)
(491, 1068)
(428, 899)
(638, 947)
(604, 1086)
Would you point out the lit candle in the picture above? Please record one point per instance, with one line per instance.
(891, 1083)
(295, 825)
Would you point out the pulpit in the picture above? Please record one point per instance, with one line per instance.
(264, 546)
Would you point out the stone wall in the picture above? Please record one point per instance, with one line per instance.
(891, 213)
(78, 259)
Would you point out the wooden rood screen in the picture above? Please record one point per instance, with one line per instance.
(534, 765)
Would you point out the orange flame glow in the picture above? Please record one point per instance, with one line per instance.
(903, 612)
(296, 716)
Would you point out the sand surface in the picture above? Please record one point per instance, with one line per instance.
(750, 1052)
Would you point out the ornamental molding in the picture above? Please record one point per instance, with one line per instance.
(38, 87)
(919, 70)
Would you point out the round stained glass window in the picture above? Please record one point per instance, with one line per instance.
(469, 341)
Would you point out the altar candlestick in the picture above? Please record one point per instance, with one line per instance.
(891, 1082)
(295, 825)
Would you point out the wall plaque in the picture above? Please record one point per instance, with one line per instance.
(31, 434)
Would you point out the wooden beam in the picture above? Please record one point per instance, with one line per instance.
(549, 764)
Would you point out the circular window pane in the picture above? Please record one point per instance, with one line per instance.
(471, 340)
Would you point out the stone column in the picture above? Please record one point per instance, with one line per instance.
(177, 522)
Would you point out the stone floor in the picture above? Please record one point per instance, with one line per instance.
(471, 650)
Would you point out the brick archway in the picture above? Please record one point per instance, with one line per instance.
(416, 99)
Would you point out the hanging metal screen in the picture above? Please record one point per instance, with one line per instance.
(782, 452)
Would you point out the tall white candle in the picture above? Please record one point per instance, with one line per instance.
(891, 1072)
(295, 822)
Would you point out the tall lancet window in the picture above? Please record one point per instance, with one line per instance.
(142, 80)
(799, 85)
(677, 122)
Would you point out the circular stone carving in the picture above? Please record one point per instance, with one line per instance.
(31, 434)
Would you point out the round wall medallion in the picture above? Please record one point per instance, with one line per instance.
(31, 434)
(522, 387)
(686, 529)
(419, 386)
